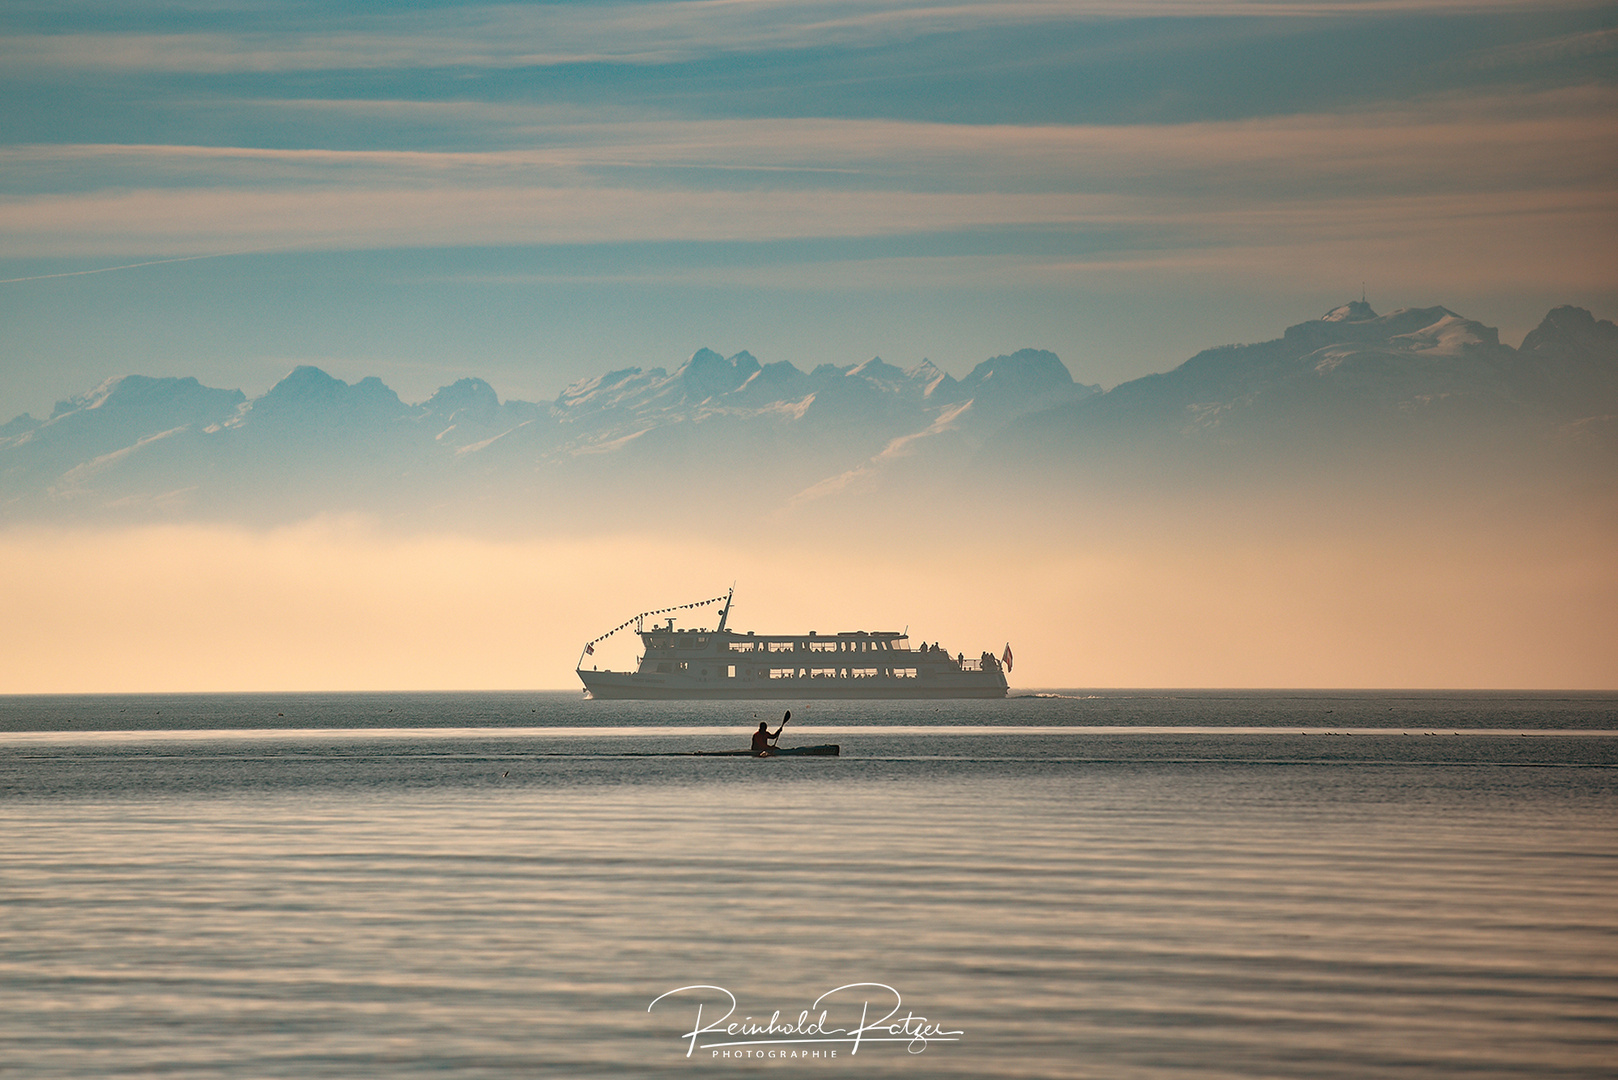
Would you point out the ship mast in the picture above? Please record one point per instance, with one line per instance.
(723, 615)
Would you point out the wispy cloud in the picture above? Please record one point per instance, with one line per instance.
(1440, 184)
(359, 217)
(125, 266)
(1517, 141)
(511, 36)
(1550, 50)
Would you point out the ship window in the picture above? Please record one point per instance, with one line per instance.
(730, 671)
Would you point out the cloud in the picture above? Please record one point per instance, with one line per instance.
(513, 36)
(1435, 241)
(1476, 189)
(1507, 140)
(352, 218)
(110, 269)
(1514, 140)
(1551, 50)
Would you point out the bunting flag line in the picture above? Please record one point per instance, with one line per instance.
(589, 646)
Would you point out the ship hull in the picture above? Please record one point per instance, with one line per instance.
(634, 686)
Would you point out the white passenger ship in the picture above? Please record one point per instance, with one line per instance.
(724, 663)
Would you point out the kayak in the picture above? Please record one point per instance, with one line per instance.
(825, 750)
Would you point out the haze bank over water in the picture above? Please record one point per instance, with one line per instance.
(1368, 499)
(1120, 884)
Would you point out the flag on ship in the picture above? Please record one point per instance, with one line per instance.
(590, 649)
(1006, 659)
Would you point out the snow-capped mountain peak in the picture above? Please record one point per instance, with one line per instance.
(1353, 311)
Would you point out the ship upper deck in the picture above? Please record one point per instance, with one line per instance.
(666, 639)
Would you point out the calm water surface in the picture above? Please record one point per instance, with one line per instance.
(1116, 885)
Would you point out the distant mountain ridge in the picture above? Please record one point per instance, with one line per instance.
(721, 438)
(1354, 381)
(313, 442)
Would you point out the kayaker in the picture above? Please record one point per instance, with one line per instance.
(763, 737)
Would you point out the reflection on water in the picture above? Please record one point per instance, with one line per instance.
(1078, 904)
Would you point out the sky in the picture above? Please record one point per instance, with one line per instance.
(1179, 600)
(536, 193)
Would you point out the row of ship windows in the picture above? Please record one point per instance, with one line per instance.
(729, 671)
(815, 646)
(832, 646)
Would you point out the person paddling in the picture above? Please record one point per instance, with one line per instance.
(763, 737)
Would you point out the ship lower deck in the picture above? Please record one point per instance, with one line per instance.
(627, 686)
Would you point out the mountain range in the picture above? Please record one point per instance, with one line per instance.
(720, 437)
(1354, 371)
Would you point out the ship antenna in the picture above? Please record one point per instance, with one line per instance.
(723, 615)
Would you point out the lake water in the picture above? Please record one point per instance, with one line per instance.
(1118, 885)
